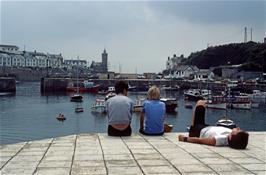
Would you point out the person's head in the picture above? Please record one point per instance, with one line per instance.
(238, 139)
(154, 93)
(121, 87)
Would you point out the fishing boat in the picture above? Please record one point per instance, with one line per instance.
(99, 106)
(216, 102)
(170, 104)
(84, 87)
(239, 102)
(193, 95)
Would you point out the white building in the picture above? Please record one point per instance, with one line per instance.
(5, 59)
(54, 60)
(184, 71)
(173, 62)
(9, 48)
(73, 63)
(30, 59)
(204, 75)
(18, 60)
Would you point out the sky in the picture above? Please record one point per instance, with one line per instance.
(138, 36)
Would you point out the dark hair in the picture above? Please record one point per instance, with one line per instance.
(239, 141)
(120, 86)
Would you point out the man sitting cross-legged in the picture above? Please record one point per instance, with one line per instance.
(202, 133)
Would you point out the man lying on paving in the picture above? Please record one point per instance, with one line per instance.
(202, 133)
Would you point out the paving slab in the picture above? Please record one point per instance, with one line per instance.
(97, 153)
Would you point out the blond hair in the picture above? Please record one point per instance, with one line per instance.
(154, 93)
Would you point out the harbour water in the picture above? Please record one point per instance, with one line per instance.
(28, 115)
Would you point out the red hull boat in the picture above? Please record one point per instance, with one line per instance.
(93, 89)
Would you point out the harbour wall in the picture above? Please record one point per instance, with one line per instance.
(60, 84)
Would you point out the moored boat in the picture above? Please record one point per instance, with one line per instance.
(132, 88)
(79, 109)
(225, 122)
(84, 87)
(188, 105)
(76, 98)
(110, 95)
(239, 102)
(193, 95)
(216, 102)
(139, 104)
(170, 104)
(99, 106)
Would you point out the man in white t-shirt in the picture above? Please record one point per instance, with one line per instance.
(213, 135)
(119, 111)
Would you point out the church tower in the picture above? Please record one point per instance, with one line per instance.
(104, 61)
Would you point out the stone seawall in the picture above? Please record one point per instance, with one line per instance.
(24, 74)
(54, 84)
(60, 84)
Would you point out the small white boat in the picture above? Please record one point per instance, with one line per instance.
(79, 109)
(257, 94)
(225, 122)
(76, 98)
(99, 106)
(110, 95)
(139, 104)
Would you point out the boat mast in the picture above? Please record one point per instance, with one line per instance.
(77, 76)
(228, 96)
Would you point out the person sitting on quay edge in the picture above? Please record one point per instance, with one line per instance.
(153, 114)
(202, 133)
(119, 111)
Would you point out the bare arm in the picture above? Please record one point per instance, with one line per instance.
(206, 141)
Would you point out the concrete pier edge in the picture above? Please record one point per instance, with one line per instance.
(97, 153)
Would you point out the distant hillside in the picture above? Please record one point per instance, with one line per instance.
(250, 54)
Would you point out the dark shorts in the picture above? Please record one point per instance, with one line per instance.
(155, 134)
(199, 122)
(115, 132)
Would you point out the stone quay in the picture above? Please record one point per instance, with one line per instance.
(97, 153)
